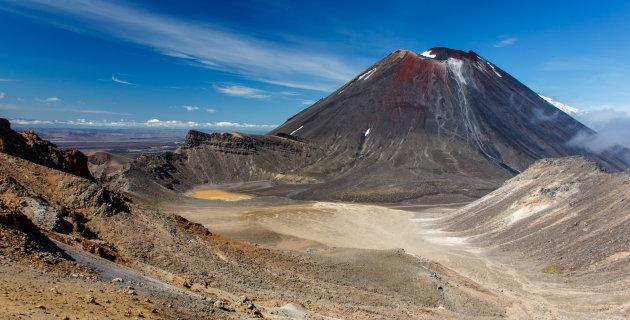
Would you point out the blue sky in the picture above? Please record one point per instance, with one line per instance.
(250, 65)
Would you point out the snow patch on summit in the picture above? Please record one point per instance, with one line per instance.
(296, 130)
(493, 69)
(428, 54)
(366, 75)
(567, 109)
(456, 67)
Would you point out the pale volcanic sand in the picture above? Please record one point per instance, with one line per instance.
(320, 226)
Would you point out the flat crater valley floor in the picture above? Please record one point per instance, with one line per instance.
(361, 233)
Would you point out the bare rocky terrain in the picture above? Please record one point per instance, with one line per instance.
(50, 204)
(455, 214)
(521, 271)
(297, 259)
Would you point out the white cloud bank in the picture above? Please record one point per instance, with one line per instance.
(612, 128)
(149, 123)
(202, 44)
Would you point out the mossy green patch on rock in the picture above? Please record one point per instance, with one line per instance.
(553, 269)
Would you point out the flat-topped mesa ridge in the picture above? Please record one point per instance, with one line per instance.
(214, 158)
(29, 146)
(240, 143)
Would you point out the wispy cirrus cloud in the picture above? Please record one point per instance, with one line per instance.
(300, 85)
(286, 93)
(308, 102)
(7, 107)
(104, 112)
(211, 110)
(505, 41)
(242, 91)
(247, 92)
(7, 80)
(177, 55)
(1, 95)
(571, 63)
(51, 99)
(122, 81)
(204, 45)
(190, 108)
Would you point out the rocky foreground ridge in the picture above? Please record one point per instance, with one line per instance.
(42, 210)
(27, 145)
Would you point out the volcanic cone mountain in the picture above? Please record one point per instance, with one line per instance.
(441, 126)
(445, 118)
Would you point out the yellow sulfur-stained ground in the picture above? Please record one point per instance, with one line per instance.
(219, 195)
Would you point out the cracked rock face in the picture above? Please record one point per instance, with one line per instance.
(42, 215)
